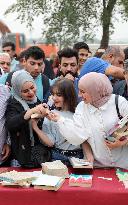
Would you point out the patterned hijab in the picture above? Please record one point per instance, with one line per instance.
(98, 86)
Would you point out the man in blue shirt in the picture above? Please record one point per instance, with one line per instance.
(111, 64)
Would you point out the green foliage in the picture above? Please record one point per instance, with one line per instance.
(67, 20)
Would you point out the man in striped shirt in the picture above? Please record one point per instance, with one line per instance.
(4, 138)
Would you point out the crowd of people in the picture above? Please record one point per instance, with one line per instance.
(54, 110)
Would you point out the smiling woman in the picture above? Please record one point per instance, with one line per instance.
(93, 121)
(26, 146)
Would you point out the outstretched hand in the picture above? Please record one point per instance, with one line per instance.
(6, 152)
(53, 116)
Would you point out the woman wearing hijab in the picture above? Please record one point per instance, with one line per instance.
(94, 117)
(26, 146)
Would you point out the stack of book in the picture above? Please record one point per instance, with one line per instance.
(80, 163)
(55, 168)
(15, 179)
(47, 182)
(80, 180)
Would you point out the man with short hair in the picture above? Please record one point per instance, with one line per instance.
(68, 66)
(83, 53)
(9, 47)
(111, 64)
(34, 64)
(5, 62)
(114, 55)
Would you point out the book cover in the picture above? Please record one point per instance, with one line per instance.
(80, 163)
(120, 130)
(47, 182)
(80, 180)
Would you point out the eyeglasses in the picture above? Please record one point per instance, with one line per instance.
(7, 63)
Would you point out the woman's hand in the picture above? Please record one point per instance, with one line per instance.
(41, 110)
(117, 143)
(87, 151)
(53, 116)
(90, 158)
(6, 152)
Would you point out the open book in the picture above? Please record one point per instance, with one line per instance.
(80, 163)
(120, 130)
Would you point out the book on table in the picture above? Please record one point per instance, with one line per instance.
(47, 182)
(80, 163)
(81, 180)
(55, 168)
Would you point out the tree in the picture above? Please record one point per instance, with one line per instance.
(66, 21)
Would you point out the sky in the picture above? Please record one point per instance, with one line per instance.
(15, 25)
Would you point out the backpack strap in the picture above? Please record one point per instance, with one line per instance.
(46, 84)
(117, 108)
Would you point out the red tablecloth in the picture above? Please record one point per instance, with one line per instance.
(102, 192)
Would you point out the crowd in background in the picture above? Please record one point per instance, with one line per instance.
(63, 107)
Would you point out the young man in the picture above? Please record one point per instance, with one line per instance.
(34, 64)
(68, 68)
(68, 63)
(9, 47)
(83, 53)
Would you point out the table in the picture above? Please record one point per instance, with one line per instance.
(102, 192)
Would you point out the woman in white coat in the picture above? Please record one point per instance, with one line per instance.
(93, 119)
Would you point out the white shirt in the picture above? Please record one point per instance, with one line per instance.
(93, 124)
(51, 129)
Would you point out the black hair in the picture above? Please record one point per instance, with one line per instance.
(81, 45)
(66, 89)
(21, 56)
(67, 53)
(126, 53)
(99, 52)
(9, 43)
(34, 52)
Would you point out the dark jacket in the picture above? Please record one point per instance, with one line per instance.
(120, 88)
(19, 132)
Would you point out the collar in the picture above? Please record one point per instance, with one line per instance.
(93, 109)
